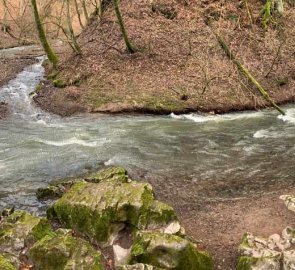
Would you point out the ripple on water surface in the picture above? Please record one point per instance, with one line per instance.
(190, 157)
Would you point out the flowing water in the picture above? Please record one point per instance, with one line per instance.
(187, 158)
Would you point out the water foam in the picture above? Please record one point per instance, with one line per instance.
(72, 141)
(198, 118)
(289, 117)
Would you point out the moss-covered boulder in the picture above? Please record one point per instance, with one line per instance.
(18, 232)
(21, 228)
(99, 210)
(60, 187)
(64, 252)
(6, 264)
(168, 251)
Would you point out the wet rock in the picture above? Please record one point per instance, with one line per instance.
(53, 191)
(6, 264)
(289, 201)
(169, 252)
(100, 210)
(62, 251)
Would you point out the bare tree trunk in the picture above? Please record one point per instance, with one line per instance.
(247, 74)
(78, 14)
(42, 36)
(85, 11)
(73, 37)
(129, 46)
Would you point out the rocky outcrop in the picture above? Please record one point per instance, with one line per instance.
(168, 251)
(62, 251)
(100, 210)
(276, 252)
(18, 232)
(92, 212)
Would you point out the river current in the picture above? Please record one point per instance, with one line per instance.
(187, 158)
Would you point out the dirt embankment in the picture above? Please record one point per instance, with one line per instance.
(179, 65)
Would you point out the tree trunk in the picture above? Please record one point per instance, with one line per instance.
(85, 11)
(73, 37)
(78, 14)
(247, 74)
(42, 36)
(129, 46)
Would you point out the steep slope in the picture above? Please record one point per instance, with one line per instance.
(179, 65)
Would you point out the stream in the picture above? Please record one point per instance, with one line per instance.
(187, 158)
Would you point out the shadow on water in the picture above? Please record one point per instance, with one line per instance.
(189, 157)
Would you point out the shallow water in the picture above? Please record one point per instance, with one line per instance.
(188, 157)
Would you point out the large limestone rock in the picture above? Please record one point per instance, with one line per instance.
(64, 252)
(18, 232)
(168, 251)
(99, 210)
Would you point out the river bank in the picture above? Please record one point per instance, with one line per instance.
(178, 66)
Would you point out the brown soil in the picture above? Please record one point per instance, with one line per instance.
(179, 66)
(218, 227)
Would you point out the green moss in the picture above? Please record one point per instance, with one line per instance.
(96, 209)
(156, 214)
(21, 229)
(111, 173)
(5, 264)
(59, 83)
(169, 252)
(42, 229)
(63, 251)
(246, 263)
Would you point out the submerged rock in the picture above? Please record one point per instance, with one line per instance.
(168, 252)
(62, 251)
(99, 210)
